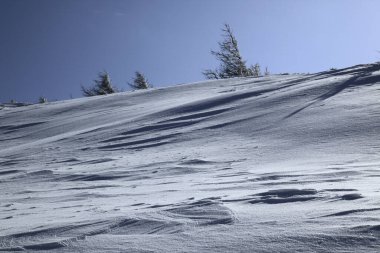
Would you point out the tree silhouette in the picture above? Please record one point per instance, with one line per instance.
(42, 100)
(102, 86)
(255, 70)
(231, 62)
(140, 82)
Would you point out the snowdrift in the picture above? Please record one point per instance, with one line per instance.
(283, 163)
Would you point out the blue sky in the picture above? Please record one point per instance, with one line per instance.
(52, 47)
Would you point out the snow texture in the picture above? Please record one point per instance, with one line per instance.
(283, 163)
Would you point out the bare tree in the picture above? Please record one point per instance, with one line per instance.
(266, 73)
(102, 86)
(140, 82)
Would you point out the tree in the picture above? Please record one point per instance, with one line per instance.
(231, 62)
(266, 73)
(140, 82)
(42, 100)
(255, 70)
(102, 86)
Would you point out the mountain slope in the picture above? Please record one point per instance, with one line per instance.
(283, 163)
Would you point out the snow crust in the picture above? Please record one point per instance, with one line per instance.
(284, 163)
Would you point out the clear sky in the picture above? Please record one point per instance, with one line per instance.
(52, 47)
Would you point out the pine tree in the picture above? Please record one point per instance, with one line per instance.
(231, 62)
(102, 86)
(255, 70)
(140, 82)
(42, 100)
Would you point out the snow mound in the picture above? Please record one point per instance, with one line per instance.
(282, 163)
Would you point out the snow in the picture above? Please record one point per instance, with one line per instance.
(283, 163)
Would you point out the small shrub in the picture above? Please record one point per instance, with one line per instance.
(266, 73)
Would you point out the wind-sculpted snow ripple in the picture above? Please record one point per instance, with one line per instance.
(205, 212)
(281, 163)
(65, 235)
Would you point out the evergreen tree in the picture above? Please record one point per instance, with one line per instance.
(140, 82)
(102, 86)
(42, 100)
(255, 70)
(231, 62)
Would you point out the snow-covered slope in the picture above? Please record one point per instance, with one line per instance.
(283, 163)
